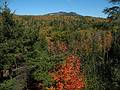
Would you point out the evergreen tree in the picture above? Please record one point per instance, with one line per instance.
(113, 12)
(10, 39)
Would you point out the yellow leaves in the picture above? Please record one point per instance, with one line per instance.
(84, 40)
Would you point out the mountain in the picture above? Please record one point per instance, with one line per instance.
(63, 13)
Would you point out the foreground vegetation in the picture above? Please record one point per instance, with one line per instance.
(59, 52)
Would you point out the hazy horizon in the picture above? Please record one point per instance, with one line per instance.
(81, 7)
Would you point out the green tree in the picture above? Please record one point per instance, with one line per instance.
(113, 12)
(5, 33)
(11, 38)
(112, 78)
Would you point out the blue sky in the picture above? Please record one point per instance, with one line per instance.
(40, 7)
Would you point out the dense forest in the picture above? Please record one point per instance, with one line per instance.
(60, 51)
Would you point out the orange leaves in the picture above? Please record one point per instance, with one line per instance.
(68, 76)
(60, 86)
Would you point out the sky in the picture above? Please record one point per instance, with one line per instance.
(41, 7)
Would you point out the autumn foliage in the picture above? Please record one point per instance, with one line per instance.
(69, 77)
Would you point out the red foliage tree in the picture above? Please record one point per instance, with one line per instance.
(68, 76)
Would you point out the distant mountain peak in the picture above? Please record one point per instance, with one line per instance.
(63, 13)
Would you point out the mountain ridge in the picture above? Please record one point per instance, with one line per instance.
(63, 13)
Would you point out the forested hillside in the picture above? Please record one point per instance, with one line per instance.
(59, 52)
